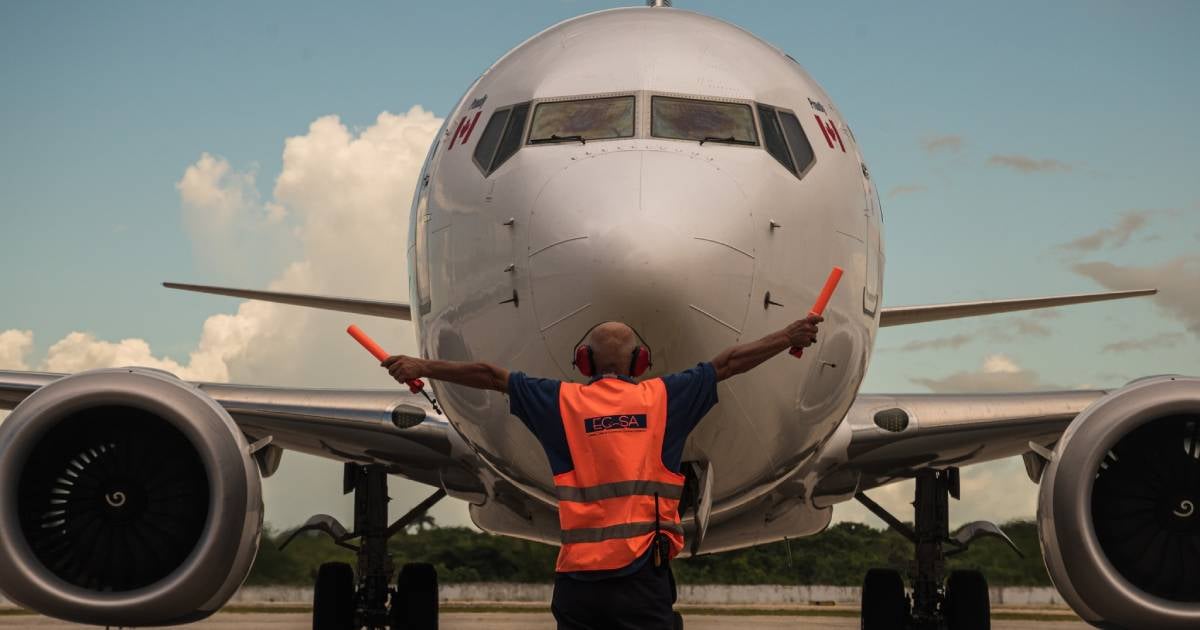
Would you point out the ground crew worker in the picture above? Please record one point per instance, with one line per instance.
(614, 446)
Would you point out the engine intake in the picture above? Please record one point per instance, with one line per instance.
(1117, 514)
(127, 497)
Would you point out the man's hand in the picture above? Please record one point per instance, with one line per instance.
(404, 368)
(802, 333)
(744, 357)
(479, 375)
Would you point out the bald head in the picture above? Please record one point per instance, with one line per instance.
(612, 347)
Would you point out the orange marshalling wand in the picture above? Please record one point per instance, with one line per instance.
(818, 308)
(415, 385)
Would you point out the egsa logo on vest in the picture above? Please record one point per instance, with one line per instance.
(621, 422)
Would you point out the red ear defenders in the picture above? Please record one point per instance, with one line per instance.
(585, 361)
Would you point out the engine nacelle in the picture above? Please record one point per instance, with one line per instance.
(1118, 506)
(127, 497)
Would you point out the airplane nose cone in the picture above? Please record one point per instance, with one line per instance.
(660, 240)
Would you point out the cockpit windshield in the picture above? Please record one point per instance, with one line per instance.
(704, 121)
(582, 120)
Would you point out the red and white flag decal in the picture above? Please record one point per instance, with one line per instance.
(830, 131)
(463, 132)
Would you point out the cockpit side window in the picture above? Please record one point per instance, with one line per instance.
(773, 137)
(501, 137)
(512, 135)
(703, 121)
(785, 139)
(582, 120)
(802, 151)
(486, 149)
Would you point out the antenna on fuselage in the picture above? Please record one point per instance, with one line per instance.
(658, 3)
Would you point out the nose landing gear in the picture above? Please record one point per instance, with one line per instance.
(959, 602)
(339, 601)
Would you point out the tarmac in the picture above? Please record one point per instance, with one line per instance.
(539, 621)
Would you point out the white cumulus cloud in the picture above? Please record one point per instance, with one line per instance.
(998, 373)
(14, 347)
(233, 232)
(341, 200)
(349, 193)
(999, 364)
(82, 351)
(214, 193)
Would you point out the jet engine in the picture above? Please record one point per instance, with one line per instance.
(127, 497)
(1118, 506)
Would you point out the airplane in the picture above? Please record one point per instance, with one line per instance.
(644, 164)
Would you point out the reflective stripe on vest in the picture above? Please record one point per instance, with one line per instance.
(615, 432)
(620, 489)
(627, 530)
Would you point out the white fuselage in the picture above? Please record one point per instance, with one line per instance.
(682, 240)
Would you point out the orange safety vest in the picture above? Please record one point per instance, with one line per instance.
(606, 503)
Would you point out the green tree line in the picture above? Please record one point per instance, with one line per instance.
(840, 555)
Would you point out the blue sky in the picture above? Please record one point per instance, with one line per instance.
(996, 132)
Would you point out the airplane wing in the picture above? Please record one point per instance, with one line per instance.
(903, 315)
(889, 316)
(392, 310)
(887, 437)
(391, 427)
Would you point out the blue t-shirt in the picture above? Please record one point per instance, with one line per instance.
(690, 395)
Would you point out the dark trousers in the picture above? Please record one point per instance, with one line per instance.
(639, 601)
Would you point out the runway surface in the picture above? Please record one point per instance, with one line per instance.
(529, 621)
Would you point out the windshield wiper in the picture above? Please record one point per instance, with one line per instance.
(557, 138)
(727, 139)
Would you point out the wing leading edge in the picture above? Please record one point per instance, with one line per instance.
(885, 438)
(392, 310)
(890, 316)
(903, 315)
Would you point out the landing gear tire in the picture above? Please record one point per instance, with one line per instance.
(967, 604)
(342, 603)
(333, 597)
(883, 604)
(415, 603)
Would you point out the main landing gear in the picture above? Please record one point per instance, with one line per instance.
(938, 602)
(341, 602)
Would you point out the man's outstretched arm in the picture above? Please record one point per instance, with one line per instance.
(744, 357)
(477, 375)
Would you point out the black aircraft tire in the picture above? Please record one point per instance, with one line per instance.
(883, 603)
(415, 605)
(967, 604)
(333, 597)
